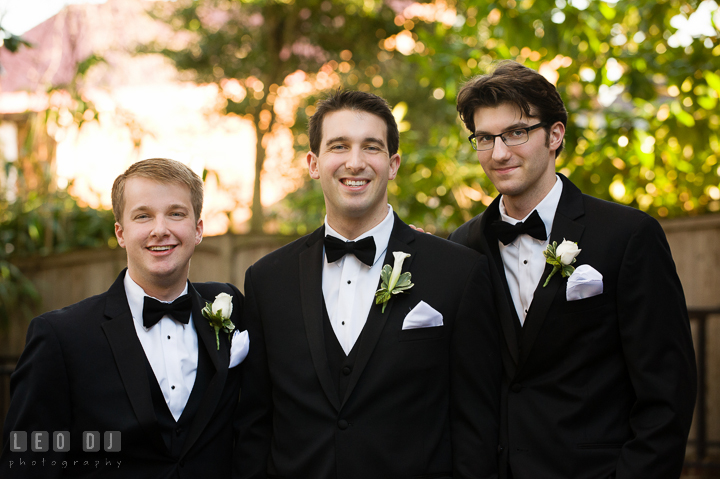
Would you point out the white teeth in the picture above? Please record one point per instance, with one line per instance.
(355, 182)
(160, 248)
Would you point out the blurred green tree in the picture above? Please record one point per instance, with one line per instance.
(641, 81)
(258, 44)
(36, 217)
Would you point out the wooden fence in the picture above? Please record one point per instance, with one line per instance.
(695, 244)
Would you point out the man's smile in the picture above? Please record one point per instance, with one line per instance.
(354, 183)
(162, 248)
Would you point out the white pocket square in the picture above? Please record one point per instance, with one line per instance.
(422, 316)
(240, 347)
(585, 282)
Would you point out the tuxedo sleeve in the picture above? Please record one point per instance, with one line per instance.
(40, 401)
(476, 370)
(658, 350)
(255, 408)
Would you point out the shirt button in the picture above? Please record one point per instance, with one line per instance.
(343, 323)
(342, 424)
(349, 281)
(172, 387)
(168, 336)
(525, 262)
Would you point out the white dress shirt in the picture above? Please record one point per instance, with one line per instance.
(171, 348)
(523, 258)
(349, 285)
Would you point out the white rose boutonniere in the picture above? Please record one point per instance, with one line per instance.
(218, 315)
(392, 281)
(561, 258)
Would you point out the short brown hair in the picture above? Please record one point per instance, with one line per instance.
(161, 170)
(518, 85)
(357, 101)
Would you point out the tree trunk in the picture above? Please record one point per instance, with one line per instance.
(280, 21)
(257, 220)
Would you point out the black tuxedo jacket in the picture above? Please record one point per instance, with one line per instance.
(419, 402)
(84, 369)
(603, 386)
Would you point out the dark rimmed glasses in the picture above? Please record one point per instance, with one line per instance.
(515, 137)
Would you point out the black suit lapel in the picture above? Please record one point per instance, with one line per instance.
(400, 240)
(130, 359)
(311, 296)
(503, 298)
(564, 227)
(220, 361)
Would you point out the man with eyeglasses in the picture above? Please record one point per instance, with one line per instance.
(599, 369)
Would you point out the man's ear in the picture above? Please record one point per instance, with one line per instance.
(312, 161)
(119, 234)
(557, 133)
(394, 166)
(199, 232)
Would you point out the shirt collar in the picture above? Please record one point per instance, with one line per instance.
(380, 233)
(546, 208)
(136, 297)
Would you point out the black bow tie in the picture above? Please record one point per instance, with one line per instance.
(364, 250)
(507, 233)
(154, 310)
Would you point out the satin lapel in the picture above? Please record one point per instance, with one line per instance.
(400, 240)
(311, 296)
(130, 360)
(564, 227)
(503, 298)
(220, 361)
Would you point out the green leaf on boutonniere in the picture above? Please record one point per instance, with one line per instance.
(392, 282)
(561, 258)
(218, 315)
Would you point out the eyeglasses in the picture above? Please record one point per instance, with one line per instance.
(510, 138)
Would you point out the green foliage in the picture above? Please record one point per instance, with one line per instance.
(43, 224)
(655, 147)
(643, 125)
(11, 41)
(260, 43)
(40, 219)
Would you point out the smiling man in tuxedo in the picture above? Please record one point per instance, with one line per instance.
(138, 362)
(339, 387)
(599, 369)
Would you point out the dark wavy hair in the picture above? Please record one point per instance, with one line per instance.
(518, 85)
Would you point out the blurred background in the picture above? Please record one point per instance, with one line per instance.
(226, 86)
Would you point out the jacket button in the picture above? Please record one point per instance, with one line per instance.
(342, 424)
(178, 431)
(182, 463)
(516, 388)
(347, 370)
(500, 448)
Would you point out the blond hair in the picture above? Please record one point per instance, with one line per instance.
(161, 170)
